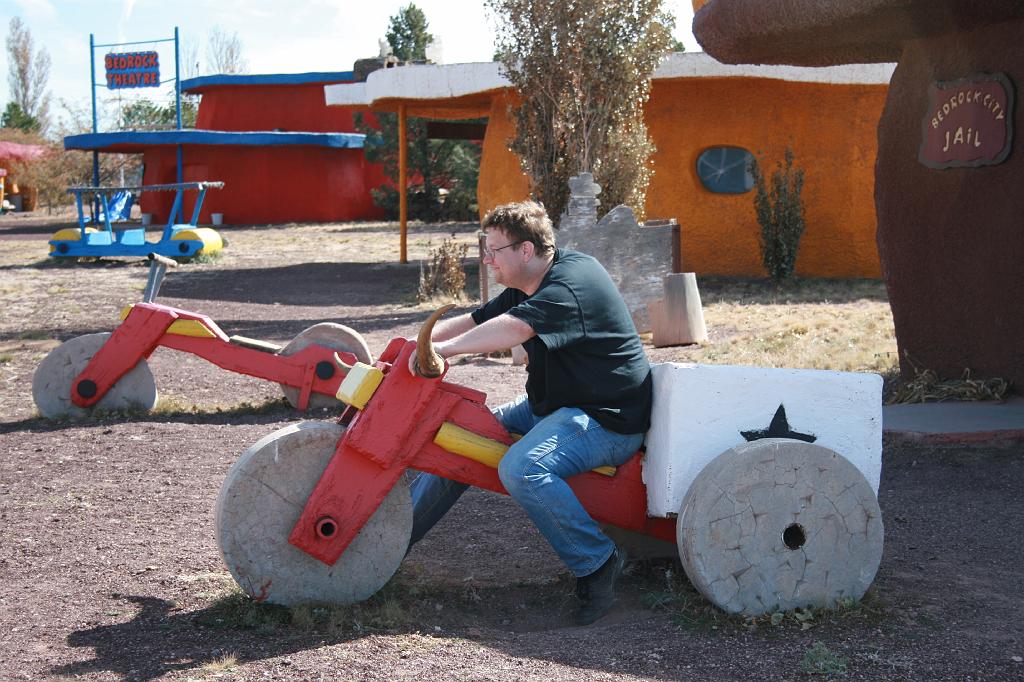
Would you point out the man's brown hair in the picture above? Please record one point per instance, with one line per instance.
(524, 221)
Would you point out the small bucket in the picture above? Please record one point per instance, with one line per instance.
(217, 218)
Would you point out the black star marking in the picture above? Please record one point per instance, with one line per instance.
(779, 428)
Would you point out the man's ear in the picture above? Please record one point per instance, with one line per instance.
(529, 249)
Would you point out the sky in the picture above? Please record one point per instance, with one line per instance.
(276, 37)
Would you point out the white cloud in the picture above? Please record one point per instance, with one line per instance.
(126, 15)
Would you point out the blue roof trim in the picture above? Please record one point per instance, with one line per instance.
(201, 82)
(99, 141)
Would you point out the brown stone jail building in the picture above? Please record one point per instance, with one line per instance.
(950, 173)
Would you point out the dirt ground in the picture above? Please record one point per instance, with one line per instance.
(109, 568)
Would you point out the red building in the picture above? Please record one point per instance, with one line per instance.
(282, 154)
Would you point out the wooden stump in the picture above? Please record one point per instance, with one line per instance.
(678, 319)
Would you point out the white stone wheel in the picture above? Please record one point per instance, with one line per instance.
(779, 524)
(261, 500)
(335, 336)
(51, 384)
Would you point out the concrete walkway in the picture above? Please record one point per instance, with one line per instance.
(957, 422)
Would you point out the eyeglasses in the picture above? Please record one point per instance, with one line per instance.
(489, 253)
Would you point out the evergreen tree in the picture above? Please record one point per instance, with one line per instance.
(143, 114)
(407, 34)
(14, 117)
(445, 171)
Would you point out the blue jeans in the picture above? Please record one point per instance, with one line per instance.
(553, 448)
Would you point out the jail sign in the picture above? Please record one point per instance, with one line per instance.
(968, 122)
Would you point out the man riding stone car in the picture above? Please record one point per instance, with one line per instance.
(588, 391)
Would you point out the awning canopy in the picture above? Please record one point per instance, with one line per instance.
(197, 86)
(135, 142)
(15, 151)
(444, 91)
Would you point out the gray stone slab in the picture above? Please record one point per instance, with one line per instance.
(955, 417)
(636, 257)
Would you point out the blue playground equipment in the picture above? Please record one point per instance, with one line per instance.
(120, 205)
(178, 240)
(95, 236)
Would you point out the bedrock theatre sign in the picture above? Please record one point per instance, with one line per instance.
(968, 122)
(132, 70)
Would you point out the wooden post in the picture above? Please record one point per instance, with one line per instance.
(484, 273)
(402, 183)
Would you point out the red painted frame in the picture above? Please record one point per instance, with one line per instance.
(395, 432)
(145, 330)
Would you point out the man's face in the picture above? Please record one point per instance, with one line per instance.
(503, 255)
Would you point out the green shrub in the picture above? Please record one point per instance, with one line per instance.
(447, 170)
(820, 660)
(780, 214)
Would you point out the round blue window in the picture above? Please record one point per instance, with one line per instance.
(725, 170)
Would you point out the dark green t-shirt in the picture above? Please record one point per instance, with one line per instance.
(586, 353)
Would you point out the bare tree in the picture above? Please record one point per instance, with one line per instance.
(224, 53)
(189, 58)
(582, 69)
(28, 73)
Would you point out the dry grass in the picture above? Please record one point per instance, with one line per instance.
(344, 242)
(821, 324)
(841, 325)
(222, 664)
(443, 272)
(926, 387)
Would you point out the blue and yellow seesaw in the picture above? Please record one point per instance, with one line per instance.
(179, 240)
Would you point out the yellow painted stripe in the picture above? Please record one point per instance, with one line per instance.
(190, 328)
(460, 441)
(179, 327)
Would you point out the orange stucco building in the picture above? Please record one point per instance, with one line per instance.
(831, 129)
(828, 117)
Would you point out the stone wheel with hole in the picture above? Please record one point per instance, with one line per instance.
(261, 500)
(52, 382)
(778, 524)
(335, 336)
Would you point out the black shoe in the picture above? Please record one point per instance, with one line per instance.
(597, 590)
